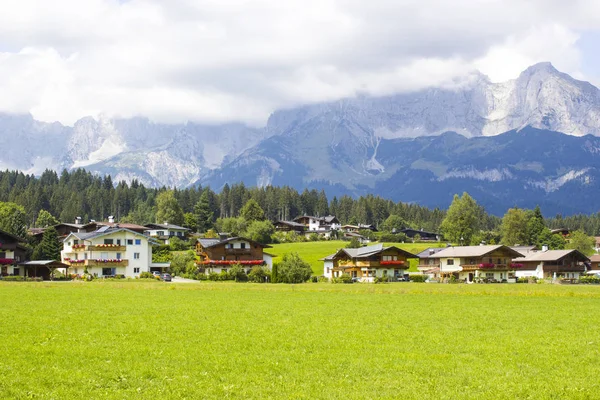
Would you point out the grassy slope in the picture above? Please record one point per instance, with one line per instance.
(226, 340)
(312, 252)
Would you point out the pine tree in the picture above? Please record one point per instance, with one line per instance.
(203, 214)
(49, 248)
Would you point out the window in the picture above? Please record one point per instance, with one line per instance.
(171, 233)
(242, 245)
(85, 256)
(129, 241)
(489, 275)
(75, 242)
(119, 242)
(104, 256)
(160, 233)
(179, 233)
(118, 256)
(136, 270)
(16, 271)
(17, 258)
(109, 271)
(108, 241)
(136, 256)
(450, 261)
(138, 242)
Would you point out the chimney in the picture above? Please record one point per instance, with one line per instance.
(78, 220)
(111, 219)
(431, 251)
(545, 247)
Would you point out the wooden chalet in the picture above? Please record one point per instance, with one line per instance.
(12, 252)
(470, 263)
(217, 255)
(554, 264)
(290, 226)
(424, 235)
(366, 263)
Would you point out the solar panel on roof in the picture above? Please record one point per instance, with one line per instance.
(103, 229)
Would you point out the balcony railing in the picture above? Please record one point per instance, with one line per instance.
(98, 263)
(99, 247)
(237, 251)
(424, 267)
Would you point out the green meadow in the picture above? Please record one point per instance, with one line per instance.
(147, 340)
(313, 252)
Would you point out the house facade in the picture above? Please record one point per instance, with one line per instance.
(366, 263)
(108, 252)
(290, 226)
(319, 225)
(553, 264)
(472, 263)
(423, 235)
(12, 252)
(218, 255)
(166, 231)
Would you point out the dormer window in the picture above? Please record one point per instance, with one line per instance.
(242, 245)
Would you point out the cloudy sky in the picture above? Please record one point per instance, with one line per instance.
(225, 60)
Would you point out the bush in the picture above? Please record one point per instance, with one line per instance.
(381, 279)
(323, 279)
(238, 274)
(15, 278)
(527, 279)
(147, 275)
(354, 243)
(344, 278)
(293, 269)
(313, 237)
(176, 244)
(589, 279)
(161, 254)
(418, 278)
(393, 237)
(258, 274)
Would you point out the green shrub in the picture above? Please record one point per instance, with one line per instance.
(393, 237)
(293, 269)
(418, 278)
(323, 279)
(15, 278)
(589, 279)
(381, 279)
(238, 274)
(258, 274)
(313, 237)
(344, 278)
(147, 275)
(177, 244)
(35, 279)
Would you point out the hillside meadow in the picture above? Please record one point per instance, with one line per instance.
(313, 252)
(115, 340)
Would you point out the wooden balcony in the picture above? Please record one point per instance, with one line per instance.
(106, 247)
(425, 267)
(238, 251)
(97, 263)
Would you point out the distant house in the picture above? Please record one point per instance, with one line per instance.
(595, 263)
(165, 231)
(368, 262)
(109, 252)
(12, 252)
(64, 229)
(217, 255)
(290, 226)
(424, 235)
(470, 263)
(316, 224)
(355, 235)
(553, 264)
(426, 263)
(359, 227)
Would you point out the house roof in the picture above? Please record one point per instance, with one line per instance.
(291, 223)
(166, 226)
(551, 255)
(216, 242)
(103, 231)
(430, 251)
(418, 231)
(45, 263)
(132, 227)
(595, 258)
(472, 251)
(367, 251)
(524, 249)
(327, 219)
(10, 235)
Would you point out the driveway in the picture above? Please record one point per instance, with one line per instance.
(178, 279)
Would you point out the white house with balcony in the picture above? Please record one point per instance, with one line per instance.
(108, 252)
(166, 231)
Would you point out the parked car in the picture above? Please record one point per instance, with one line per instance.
(156, 274)
(166, 277)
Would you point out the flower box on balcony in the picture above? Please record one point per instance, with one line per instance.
(6, 261)
(516, 265)
(78, 246)
(487, 265)
(232, 262)
(393, 262)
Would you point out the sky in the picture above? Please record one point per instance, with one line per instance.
(215, 61)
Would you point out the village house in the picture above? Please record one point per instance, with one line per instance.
(289, 226)
(320, 225)
(218, 255)
(165, 231)
(491, 263)
(108, 252)
(421, 234)
(552, 264)
(366, 263)
(12, 252)
(595, 263)
(359, 227)
(426, 263)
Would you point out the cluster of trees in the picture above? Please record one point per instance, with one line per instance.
(80, 193)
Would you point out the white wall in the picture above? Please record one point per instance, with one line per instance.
(328, 269)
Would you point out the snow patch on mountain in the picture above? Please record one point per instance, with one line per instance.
(490, 175)
(551, 185)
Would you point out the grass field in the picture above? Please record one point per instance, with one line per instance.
(155, 340)
(312, 252)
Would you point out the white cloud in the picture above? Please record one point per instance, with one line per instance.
(220, 60)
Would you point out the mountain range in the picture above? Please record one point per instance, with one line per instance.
(532, 140)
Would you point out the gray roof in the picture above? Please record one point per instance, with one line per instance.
(549, 255)
(208, 242)
(291, 223)
(213, 242)
(44, 263)
(366, 251)
(471, 251)
(104, 230)
(430, 251)
(166, 226)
